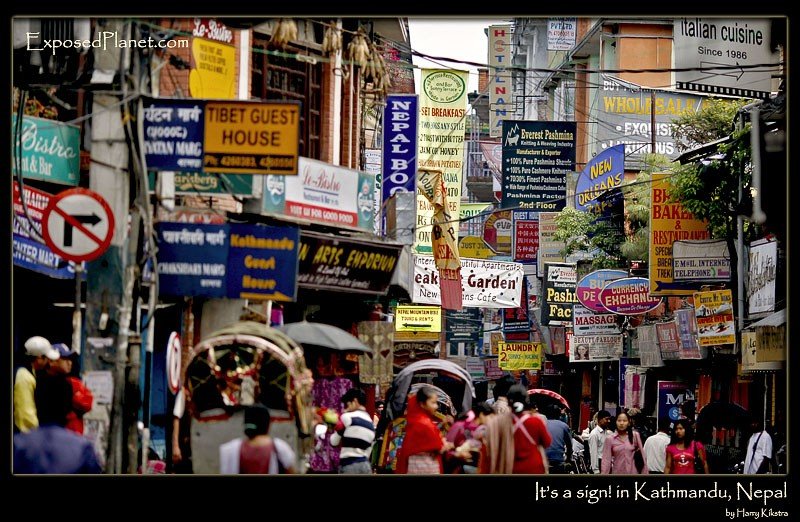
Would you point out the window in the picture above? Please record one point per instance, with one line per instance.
(282, 78)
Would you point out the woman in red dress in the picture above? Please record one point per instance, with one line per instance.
(423, 443)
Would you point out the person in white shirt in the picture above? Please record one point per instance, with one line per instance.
(597, 439)
(759, 447)
(655, 447)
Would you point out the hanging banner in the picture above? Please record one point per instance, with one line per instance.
(603, 172)
(671, 394)
(192, 259)
(687, 333)
(714, 312)
(484, 284)
(669, 222)
(430, 183)
(519, 356)
(628, 296)
(558, 294)
(214, 71)
(590, 286)
(50, 150)
(323, 193)
(442, 122)
(537, 156)
(525, 236)
(647, 343)
(497, 231)
(243, 137)
(501, 102)
(173, 134)
(668, 341)
(761, 277)
(549, 248)
(400, 129)
(588, 348)
(586, 322)
(263, 262)
(377, 366)
(328, 262)
(701, 260)
(516, 323)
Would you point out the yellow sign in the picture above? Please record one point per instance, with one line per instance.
(418, 318)
(442, 122)
(669, 222)
(519, 356)
(251, 137)
(714, 311)
(214, 72)
(474, 247)
(771, 343)
(750, 361)
(407, 336)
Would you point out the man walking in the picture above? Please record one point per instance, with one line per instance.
(355, 433)
(39, 353)
(655, 447)
(597, 439)
(559, 452)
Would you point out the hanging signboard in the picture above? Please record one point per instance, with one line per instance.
(501, 101)
(714, 312)
(588, 348)
(587, 322)
(335, 263)
(762, 276)
(558, 294)
(202, 184)
(668, 341)
(561, 33)
(474, 247)
(400, 144)
(603, 172)
(418, 318)
(525, 236)
(687, 333)
(750, 362)
(701, 260)
(192, 259)
(463, 325)
(251, 137)
(549, 248)
(671, 394)
(590, 286)
(262, 262)
(50, 150)
(173, 134)
(497, 231)
(519, 356)
(628, 296)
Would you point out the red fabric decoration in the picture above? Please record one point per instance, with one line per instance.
(422, 436)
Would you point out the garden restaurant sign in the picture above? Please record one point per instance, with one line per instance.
(628, 296)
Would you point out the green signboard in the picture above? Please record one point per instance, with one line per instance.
(50, 150)
(199, 183)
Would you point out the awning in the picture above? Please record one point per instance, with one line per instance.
(776, 319)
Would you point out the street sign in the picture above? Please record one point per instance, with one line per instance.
(174, 362)
(78, 225)
(418, 318)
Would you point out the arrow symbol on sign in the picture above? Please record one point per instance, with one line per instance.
(414, 325)
(91, 220)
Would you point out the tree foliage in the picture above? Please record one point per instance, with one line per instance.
(713, 121)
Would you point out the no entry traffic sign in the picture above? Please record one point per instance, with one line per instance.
(174, 362)
(78, 225)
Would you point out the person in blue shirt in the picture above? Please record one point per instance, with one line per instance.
(559, 452)
(51, 448)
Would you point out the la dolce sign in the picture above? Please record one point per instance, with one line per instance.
(628, 296)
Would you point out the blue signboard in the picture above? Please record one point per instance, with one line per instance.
(173, 135)
(263, 262)
(603, 172)
(399, 144)
(671, 394)
(192, 259)
(39, 258)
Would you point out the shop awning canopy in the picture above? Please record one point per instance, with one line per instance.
(776, 319)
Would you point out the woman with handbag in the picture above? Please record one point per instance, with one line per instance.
(685, 456)
(622, 451)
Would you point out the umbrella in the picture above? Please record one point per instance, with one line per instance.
(549, 393)
(323, 335)
(723, 415)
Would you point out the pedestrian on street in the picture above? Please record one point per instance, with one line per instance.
(355, 433)
(655, 447)
(423, 444)
(51, 448)
(258, 453)
(39, 353)
(759, 450)
(82, 397)
(619, 449)
(559, 452)
(597, 439)
(683, 450)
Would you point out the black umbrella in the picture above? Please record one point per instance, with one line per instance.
(324, 335)
(723, 415)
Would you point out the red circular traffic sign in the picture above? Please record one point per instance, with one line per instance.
(78, 224)
(174, 362)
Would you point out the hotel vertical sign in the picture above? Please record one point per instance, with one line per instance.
(500, 101)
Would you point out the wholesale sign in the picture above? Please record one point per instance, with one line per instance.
(714, 312)
(559, 294)
(588, 348)
(761, 280)
(399, 144)
(323, 193)
(628, 296)
(333, 263)
(192, 259)
(484, 284)
(50, 150)
(251, 137)
(500, 82)
(173, 135)
(669, 222)
(519, 356)
(442, 122)
(537, 156)
(525, 238)
(263, 262)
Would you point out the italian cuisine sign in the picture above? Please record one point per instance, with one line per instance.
(628, 296)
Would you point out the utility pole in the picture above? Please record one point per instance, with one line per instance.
(652, 122)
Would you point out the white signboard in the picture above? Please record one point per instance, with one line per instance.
(586, 322)
(761, 280)
(701, 260)
(706, 43)
(101, 385)
(587, 348)
(484, 284)
(561, 33)
(549, 249)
